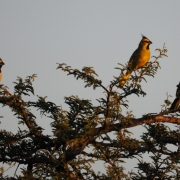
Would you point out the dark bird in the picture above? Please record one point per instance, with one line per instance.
(176, 102)
(1, 64)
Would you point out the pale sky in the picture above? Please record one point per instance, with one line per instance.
(35, 35)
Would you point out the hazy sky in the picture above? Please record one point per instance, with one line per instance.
(35, 35)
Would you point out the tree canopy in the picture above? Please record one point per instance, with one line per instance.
(88, 133)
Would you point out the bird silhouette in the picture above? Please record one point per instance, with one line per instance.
(176, 102)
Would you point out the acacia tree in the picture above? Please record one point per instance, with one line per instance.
(82, 135)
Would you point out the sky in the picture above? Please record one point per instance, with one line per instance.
(35, 35)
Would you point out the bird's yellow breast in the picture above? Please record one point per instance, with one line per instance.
(143, 58)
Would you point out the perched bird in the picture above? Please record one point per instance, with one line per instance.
(138, 59)
(1, 64)
(176, 102)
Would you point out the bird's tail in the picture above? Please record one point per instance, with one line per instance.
(124, 79)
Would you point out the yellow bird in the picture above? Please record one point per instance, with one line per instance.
(1, 64)
(138, 59)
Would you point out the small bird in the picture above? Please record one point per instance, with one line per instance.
(138, 59)
(176, 102)
(1, 64)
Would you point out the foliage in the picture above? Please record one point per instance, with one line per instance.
(85, 134)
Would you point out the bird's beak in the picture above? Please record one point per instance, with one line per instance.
(150, 42)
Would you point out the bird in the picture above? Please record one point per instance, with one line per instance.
(1, 64)
(138, 59)
(176, 102)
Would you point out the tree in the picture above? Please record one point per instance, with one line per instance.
(83, 135)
